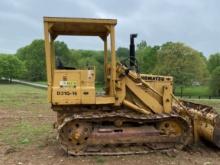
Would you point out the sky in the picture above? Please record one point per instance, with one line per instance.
(193, 22)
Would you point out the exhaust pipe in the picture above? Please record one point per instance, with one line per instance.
(132, 51)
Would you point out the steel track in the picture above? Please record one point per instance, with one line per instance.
(126, 115)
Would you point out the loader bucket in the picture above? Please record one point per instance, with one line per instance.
(206, 121)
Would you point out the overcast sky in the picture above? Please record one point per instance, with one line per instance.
(194, 22)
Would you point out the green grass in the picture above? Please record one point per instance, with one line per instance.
(99, 160)
(202, 91)
(28, 132)
(17, 96)
(25, 133)
(19, 101)
(99, 87)
(215, 103)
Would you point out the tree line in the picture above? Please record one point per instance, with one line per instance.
(187, 65)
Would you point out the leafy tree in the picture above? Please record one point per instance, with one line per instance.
(33, 56)
(146, 56)
(142, 44)
(185, 64)
(62, 51)
(11, 67)
(215, 82)
(213, 61)
(175, 59)
(90, 58)
(122, 53)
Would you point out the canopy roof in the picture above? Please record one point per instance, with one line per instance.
(79, 26)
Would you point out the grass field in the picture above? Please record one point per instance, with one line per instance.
(27, 136)
(24, 133)
(192, 91)
(202, 91)
(26, 100)
(21, 103)
(15, 96)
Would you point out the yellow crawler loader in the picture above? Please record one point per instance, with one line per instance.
(137, 113)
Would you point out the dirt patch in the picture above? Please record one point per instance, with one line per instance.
(27, 138)
(52, 154)
(48, 151)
